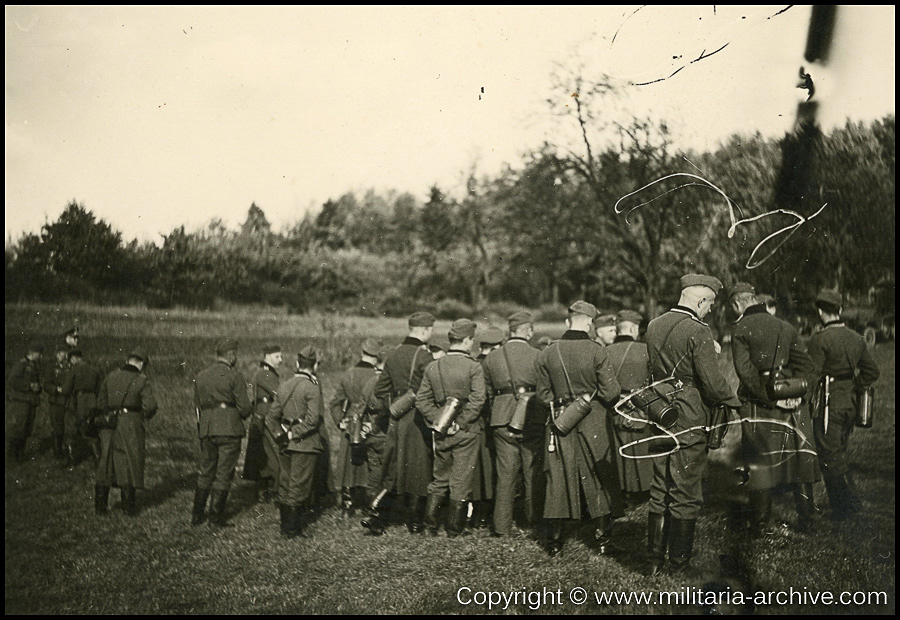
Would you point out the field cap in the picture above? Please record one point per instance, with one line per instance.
(629, 316)
(436, 348)
(140, 353)
(741, 287)
(225, 346)
(522, 317)
(697, 279)
(583, 307)
(371, 347)
(605, 320)
(829, 297)
(36, 348)
(308, 354)
(462, 328)
(492, 336)
(421, 319)
(271, 348)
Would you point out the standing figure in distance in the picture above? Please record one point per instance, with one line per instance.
(261, 463)
(125, 396)
(581, 467)
(56, 400)
(681, 347)
(23, 393)
(483, 489)
(81, 387)
(840, 357)
(295, 417)
(221, 405)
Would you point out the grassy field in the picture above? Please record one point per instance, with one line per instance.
(62, 559)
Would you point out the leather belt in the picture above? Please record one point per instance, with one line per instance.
(510, 390)
(221, 406)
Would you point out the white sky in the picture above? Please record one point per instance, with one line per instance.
(153, 117)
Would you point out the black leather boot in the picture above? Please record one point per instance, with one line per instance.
(374, 521)
(657, 541)
(554, 537)
(298, 528)
(101, 499)
(602, 527)
(198, 514)
(761, 512)
(129, 501)
(806, 508)
(456, 522)
(217, 516)
(840, 498)
(681, 543)
(432, 506)
(416, 514)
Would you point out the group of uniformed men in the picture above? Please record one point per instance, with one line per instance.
(445, 433)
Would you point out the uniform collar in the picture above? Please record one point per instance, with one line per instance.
(130, 368)
(623, 339)
(458, 352)
(362, 364)
(516, 339)
(308, 375)
(689, 312)
(756, 309)
(413, 341)
(838, 323)
(574, 334)
(269, 367)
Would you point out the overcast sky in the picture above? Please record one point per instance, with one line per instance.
(153, 117)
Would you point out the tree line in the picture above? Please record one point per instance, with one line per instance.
(567, 223)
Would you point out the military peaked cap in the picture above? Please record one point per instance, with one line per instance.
(604, 320)
(492, 335)
(697, 279)
(523, 317)
(225, 346)
(583, 307)
(829, 297)
(421, 319)
(629, 316)
(462, 328)
(371, 347)
(741, 287)
(271, 348)
(140, 353)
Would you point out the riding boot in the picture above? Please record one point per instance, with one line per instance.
(554, 537)
(301, 521)
(602, 526)
(101, 499)
(761, 512)
(374, 521)
(431, 510)
(198, 515)
(129, 501)
(839, 497)
(456, 521)
(416, 514)
(286, 520)
(657, 541)
(681, 543)
(481, 513)
(806, 508)
(217, 516)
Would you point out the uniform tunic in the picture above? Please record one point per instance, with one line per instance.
(455, 375)
(127, 391)
(408, 449)
(355, 388)
(506, 371)
(582, 468)
(299, 408)
(23, 390)
(56, 400)
(378, 420)
(632, 365)
(679, 340)
(261, 459)
(220, 392)
(840, 353)
(777, 443)
(81, 387)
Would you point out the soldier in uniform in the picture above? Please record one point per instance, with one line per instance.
(777, 435)
(510, 377)
(605, 329)
(261, 459)
(221, 405)
(681, 346)
(840, 357)
(71, 339)
(126, 396)
(81, 388)
(296, 417)
(455, 376)
(581, 469)
(23, 392)
(408, 450)
(483, 491)
(56, 400)
(375, 425)
(631, 363)
(349, 407)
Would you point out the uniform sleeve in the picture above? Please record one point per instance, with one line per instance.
(544, 388)
(711, 382)
(67, 382)
(488, 380)
(314, 404)
(476, 399)
(148, 401)
(608, 388)
(340, 395)
(273, 416)
(384, 388)
(425, 402)
(746, 371)
(868, 369)
(103, 396)
(816, 356)
(241, 400)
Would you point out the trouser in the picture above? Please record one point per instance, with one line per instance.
(218, 460)
(516, 455)
(454, 465)
(57, 414)
(832, 445)
(375, 456)
(20, 415)
(254, 457)
(296, 477)
(677, 487)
